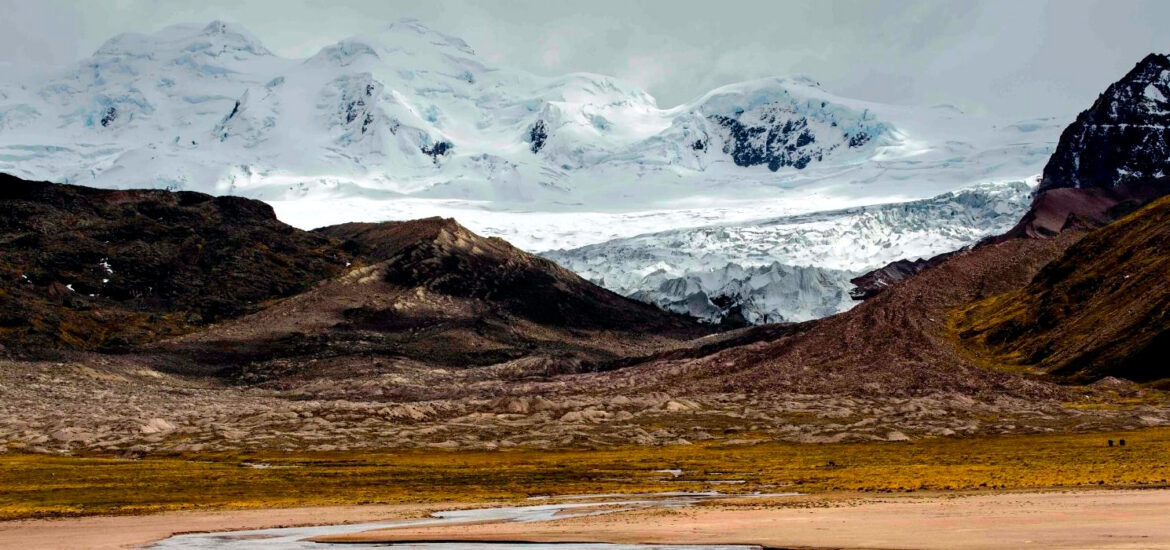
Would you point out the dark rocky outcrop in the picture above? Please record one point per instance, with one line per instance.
(85, 268)
(779, 136)
(437, 150)
(1122, 139)
(537, 135)
(775, 145)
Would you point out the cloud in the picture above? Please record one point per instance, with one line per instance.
(40, 33)
(1018, 57)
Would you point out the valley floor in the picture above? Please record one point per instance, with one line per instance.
(1065, 519)
(38, 485)
(1097, 519)
(117, 405)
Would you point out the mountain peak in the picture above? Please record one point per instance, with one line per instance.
(1155, 59)
(214, 37)
(384, 240)
(412, 33)
(1123, 138)
(441, 256)
(216, 27)
(407, 38)
(419, 104)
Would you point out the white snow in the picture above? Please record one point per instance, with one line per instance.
(1152, 93)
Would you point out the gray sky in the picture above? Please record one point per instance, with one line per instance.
(1020, 58)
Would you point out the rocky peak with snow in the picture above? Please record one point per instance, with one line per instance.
(787, 123)
(215, 39)
(1123, 138)
(406, 44)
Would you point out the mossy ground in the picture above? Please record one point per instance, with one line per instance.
(47, 486)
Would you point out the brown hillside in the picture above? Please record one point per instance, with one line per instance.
(897, 343)
(1101, 309)
(436, 296)
(441, 256)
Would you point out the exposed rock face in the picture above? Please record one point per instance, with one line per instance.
(537, 136)
(1123, 138)
(1114, 158)
(437, 150)
(775, 146)
(779, 136)
(84, 268)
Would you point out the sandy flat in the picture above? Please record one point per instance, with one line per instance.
(1084, 519)
(108, 532)
(1081, 519)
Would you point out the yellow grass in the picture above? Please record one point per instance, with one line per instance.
(43, 486)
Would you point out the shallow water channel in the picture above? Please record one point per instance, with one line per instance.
(296, 538)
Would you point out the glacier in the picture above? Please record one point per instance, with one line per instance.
(792, 268)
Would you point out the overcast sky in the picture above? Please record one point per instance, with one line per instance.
(1019, 57)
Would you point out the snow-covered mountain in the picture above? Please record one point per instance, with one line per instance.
(792, 268)
(411, 112)
(409, 122)
(405, 111)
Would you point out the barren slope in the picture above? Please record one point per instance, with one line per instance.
(897, 343)
(435, 296)
(1101, 309)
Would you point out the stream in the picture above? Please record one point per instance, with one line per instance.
(298, 538)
